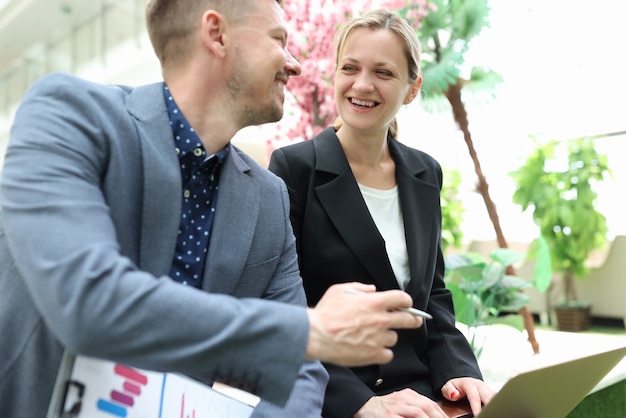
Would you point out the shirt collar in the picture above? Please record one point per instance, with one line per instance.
(186, 139)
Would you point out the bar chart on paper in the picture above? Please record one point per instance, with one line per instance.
(112, 390)
(189, 399)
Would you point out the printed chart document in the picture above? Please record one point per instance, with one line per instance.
(93, 388)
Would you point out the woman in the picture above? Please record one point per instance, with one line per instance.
(366, 207)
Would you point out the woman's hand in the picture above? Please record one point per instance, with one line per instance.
(402, 404)
(476, 391)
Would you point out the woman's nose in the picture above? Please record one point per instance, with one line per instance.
(363, 82)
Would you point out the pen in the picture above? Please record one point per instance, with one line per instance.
(417, 312)
(412, 311)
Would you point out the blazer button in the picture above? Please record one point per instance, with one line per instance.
(378, 382)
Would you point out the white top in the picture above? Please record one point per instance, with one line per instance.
(384, 207)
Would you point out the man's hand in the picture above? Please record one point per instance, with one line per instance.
(352, 324)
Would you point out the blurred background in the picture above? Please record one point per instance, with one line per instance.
(561, 62)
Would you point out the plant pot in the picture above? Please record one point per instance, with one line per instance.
(573, 317)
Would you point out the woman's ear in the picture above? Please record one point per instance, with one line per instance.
(414, 90)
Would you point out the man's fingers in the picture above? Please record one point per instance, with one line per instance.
(355, 287)
(395, 299)
(389, 339)
(382, 356)
(352, 324)
(390, 301)
(401, 319)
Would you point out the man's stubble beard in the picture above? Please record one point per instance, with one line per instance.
(239, 84)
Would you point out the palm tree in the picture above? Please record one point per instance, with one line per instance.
(446, 33)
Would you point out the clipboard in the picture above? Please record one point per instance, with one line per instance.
(95, 388)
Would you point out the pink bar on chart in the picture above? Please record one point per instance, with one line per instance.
(182, 409)
(131, 374)
(132, 388)
(122, 398)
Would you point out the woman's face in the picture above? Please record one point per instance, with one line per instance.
(372, 81)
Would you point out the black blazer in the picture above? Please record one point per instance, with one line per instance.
(338, 241)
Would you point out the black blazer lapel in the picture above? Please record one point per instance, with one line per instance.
(421, 220)
(353, 221)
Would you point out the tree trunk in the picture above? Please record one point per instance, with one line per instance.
(460, 117)
(569, 287)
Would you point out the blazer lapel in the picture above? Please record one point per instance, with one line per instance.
(353, 221)
(420, 216)
(162, 179)
(233, 226)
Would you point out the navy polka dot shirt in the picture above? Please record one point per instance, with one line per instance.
(200, 175)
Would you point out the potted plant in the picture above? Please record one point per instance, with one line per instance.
(557, 183)
(484, 294)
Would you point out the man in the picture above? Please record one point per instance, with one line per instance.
(132, 230)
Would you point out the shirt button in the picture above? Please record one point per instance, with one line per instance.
(187, 193)
(197, 152)
(378, 382)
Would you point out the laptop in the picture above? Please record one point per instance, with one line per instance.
(547, 392)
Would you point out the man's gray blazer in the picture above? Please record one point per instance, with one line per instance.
(91, 199)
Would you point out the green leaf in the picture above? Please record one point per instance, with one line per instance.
(439, 75)
(514, 283)
(506, 256)
(515, 302)
(469, 18)
(513, 320)
(542, 272)
(491, 275)
(463, 305)
(454, 261)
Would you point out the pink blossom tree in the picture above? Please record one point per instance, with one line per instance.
(313, 24)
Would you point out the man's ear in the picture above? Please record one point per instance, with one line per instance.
(213, 32)
(414, 90)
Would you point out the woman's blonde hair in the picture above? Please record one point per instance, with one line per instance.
(384, 20)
